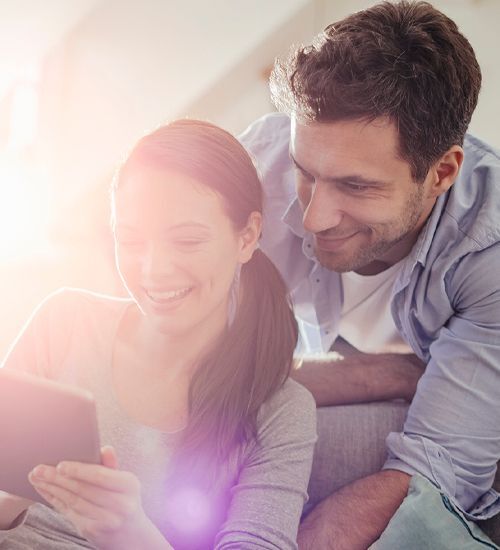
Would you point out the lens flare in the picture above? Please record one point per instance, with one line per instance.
(189, 510)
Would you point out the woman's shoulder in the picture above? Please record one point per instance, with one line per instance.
(291, 406)
(293, 392)
(67, 302)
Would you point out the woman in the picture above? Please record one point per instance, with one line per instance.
(210, 443)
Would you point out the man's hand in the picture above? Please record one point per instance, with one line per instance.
(356, 377)
(355, 516)
(102, 502)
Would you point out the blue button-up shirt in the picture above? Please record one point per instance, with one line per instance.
(445, 304)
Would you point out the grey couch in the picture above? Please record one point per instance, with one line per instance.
(351, 444)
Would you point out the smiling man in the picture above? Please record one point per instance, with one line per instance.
(383, 217)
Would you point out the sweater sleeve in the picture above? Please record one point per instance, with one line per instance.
(36, 350)
(267, 501)
(43, 341)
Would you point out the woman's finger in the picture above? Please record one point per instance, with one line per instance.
(64, 500)
(49, 477)
(109, 458)
(88, 523)
(101, 476)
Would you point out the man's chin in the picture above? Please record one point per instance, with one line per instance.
(335, 262)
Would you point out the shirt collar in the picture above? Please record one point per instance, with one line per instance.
(421, 248)
(418, 254)
(293, 218)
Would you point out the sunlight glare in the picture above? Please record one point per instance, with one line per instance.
(23, 210)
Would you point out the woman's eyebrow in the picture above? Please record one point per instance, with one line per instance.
(188, 225)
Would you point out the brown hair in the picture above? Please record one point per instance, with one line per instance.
(253, 357)
(406, 61)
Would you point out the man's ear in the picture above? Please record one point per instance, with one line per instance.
(249, 236)
(444, 171)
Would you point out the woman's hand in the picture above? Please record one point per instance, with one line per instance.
(102, 502)
(11, 509)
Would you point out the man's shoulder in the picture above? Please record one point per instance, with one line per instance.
(267, 141)
(478, 150)
(269, 129)
(474, 201)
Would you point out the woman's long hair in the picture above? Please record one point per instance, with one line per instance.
(253, 358)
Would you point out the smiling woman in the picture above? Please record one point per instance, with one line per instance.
(211, 442)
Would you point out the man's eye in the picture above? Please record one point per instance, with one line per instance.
(355, 187)
(303, 176)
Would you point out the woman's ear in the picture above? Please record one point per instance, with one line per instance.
(445, 171)
(249, 237)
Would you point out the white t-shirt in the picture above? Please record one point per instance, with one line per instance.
(366, 321)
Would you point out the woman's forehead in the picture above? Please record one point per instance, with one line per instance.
(166, 198)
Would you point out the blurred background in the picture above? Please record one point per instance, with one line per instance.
(82, 80)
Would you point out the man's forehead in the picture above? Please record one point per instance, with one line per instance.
(367, 148)
(380, 134)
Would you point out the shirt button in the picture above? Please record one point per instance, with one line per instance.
(317, 280)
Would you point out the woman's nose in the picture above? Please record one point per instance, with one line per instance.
(158, 261)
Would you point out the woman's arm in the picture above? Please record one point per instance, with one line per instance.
(11, 509)
(102, 502)
(267, 501)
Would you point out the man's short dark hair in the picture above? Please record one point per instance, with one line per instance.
(406, 61)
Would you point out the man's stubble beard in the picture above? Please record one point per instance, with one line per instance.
(389, 235)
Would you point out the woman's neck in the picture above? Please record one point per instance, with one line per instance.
(173, 354)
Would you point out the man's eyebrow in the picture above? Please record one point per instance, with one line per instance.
(349, 178)
(298, 166)
(357, 179)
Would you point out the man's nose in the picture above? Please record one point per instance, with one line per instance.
(324, 209)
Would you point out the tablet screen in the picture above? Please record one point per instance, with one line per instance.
(42, 422)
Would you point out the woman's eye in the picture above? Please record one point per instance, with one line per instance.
(188, 243)
(129, 244)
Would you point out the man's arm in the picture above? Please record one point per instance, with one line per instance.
(355, 516)
(356, 377)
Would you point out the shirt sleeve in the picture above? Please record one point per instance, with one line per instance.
(266, 503)
(452, 431)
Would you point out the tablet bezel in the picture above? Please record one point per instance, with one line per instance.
(42, 422)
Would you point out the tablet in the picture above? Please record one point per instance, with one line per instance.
(42, 422)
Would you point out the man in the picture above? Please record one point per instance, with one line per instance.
(385, 223)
